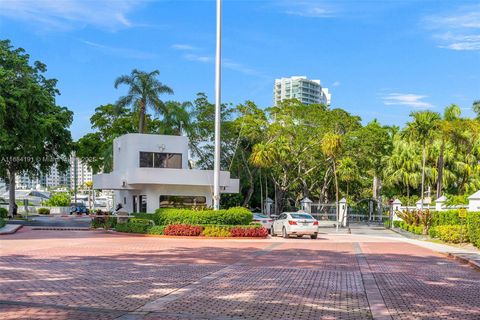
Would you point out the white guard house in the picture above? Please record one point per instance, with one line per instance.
(151, 171)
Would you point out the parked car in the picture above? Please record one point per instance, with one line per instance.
(265, 221)
(78, 208)
(295, 223)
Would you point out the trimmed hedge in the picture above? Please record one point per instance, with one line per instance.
(43, 211)
(452, 234)
(156, 230)
(408, 227)
(182, 230)
(473, 227)
(131, 227)
(146, 222)
(3, 213)
(442, 218)
(2, 222)
(232, 216)
(217, 231)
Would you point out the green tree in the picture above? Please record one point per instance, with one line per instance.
(476, 108)
(144, 91)
(34, 132)
(331, 148)
(423, 128)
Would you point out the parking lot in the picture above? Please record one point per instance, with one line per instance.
(95, 275)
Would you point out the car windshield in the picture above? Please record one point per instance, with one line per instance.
(259, 216)
(300, 216)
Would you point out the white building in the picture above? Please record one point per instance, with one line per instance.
(301, 88)
(151, 171)
(83, 171)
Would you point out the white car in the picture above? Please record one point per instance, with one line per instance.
(295, 223)
(265, 221)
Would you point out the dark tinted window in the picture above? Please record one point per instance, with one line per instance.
(301, 216)
(160, 160)
(146, 159)
(182, 201)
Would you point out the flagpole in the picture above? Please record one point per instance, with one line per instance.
(218, 51)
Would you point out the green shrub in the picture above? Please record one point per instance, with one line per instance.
(147, 222)
(432, 232)
(61, 199)
(217, 231)
(473, 227)
(43, 211)
(387, 224)
(104, 221)
(232, 216)
(2, 222)
(453, 234)
(156, 230)
(397, 223)
(3, 213)
(449, 217)
(132, 227)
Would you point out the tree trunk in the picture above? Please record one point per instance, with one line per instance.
(440, 170)
(11, 192)
(336, 193)
(142, 110)
(249, 194)
(423, 176)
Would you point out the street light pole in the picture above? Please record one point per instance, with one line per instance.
(216, 167)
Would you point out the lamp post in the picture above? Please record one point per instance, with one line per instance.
(216, 166)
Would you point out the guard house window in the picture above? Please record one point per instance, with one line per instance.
(160, 160)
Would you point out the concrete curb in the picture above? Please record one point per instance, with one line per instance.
(474, 264)
(12, 230)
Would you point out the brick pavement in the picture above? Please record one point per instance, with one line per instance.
(94, 275)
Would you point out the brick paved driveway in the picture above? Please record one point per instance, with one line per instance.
(94, 275)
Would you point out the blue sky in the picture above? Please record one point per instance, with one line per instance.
(380, 59)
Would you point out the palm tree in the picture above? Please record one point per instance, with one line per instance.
(331, 148)
(144, 90)
(450, 115)
(422, 129)
(348, 171)
(176, 118)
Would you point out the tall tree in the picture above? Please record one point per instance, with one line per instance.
(423, 128)
(446, 125)
(476, 108)
(34, 132)
(144, 90)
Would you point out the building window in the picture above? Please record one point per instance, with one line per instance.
(143, 203)
(134, 204)
(182, 201)
(160, 160)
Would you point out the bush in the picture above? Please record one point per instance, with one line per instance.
(2, 222)
(182, 230)
(453, 234)
(432, 232)
(397, 223)
(217, 231)
(3, 213)
(473, 228)
(232, 216)
(146, 222)
(131, 227)
(156, 230)
(43, 211)
(449, 217)
(61, 199)
(103, 220)
(259, 232)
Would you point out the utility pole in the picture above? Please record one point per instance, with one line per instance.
(216, 167)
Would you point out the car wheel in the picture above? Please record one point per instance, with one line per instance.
(284, 233)
(299, 236)
(314, 236)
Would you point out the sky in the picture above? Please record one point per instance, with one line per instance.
(380, 59)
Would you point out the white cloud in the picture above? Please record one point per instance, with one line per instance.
(308, 8)
(336, 84)
(65, 15)
(183, 47)
(121, 52)
(459, 30)
(198, 58)
(406, 99)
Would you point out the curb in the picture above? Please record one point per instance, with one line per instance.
(14, 230)
(472, 263)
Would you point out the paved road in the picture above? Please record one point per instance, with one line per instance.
(95, 275)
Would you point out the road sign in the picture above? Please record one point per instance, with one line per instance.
(462, 213)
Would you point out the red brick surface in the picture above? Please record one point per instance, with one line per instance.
(95, 275)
